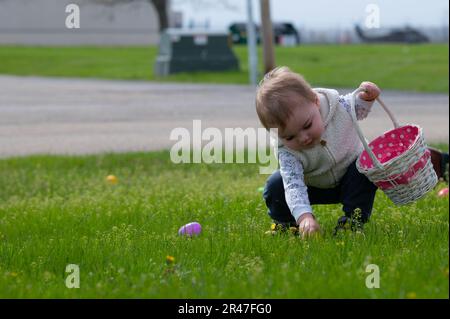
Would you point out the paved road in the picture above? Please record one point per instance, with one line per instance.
(79, 116)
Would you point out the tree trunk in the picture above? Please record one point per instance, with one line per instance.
(161, 9)
(268, 49)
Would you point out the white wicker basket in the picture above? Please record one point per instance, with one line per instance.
(398, 162)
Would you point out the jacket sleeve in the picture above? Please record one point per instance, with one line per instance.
(362, 107)
(295, 189)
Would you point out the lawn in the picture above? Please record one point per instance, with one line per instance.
(59, 210)
(421, 68)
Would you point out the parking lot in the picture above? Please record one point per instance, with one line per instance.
(79, 116)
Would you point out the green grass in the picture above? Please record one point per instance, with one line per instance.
(57, 210)
(404, 67)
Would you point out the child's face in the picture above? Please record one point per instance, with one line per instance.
(305, 127)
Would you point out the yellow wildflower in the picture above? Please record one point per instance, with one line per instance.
(411, 295)
(170, 259)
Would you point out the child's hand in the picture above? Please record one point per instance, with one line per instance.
(371, 91)
(308, 225)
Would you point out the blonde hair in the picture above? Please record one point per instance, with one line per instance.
(272, 94)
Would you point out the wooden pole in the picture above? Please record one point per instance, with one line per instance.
(251, 44)
(267, 36)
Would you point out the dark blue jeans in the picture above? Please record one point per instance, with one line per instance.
(354, 191)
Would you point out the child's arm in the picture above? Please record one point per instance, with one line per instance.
(364, 100)
(296, 192)
(372, 91)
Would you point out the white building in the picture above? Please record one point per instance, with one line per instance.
(43, 22)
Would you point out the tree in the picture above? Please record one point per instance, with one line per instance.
(161, 9)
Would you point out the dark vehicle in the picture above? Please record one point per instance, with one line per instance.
(238, 32)
(405, 35)
(284, 33)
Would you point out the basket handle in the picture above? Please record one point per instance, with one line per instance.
(358, 129)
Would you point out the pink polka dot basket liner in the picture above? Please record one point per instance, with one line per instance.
(397, 162)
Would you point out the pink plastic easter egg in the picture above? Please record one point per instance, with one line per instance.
(190, 229)
(443, 192)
